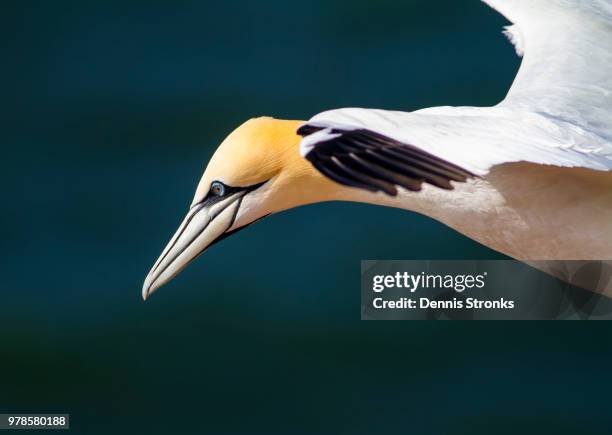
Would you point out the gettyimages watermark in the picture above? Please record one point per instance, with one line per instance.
(486, 290)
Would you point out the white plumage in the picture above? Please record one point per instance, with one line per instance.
(557, 112)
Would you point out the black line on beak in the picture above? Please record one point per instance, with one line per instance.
(194, 238)
(221, 237)
(226, 234)
(198, 207)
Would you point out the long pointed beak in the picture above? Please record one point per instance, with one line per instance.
(204, 224)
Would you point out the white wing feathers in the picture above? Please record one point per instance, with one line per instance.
(473, 138)
(558, 110)
(567, 66)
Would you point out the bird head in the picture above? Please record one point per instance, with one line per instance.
(255, 172)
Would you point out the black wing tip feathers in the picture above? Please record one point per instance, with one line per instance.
(306, 129)
(368, 160)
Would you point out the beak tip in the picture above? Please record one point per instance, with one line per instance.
(146, 289)
(151, 284)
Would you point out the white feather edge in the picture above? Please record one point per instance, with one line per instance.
(514, 35)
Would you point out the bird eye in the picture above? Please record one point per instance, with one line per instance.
(217, 188)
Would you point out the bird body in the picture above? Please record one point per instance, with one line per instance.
(525, 211)
(530, 177)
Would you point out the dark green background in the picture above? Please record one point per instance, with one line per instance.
(111, 111)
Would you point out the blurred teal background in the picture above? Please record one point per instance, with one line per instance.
(111, 111)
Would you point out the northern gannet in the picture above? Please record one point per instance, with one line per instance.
(529, 177)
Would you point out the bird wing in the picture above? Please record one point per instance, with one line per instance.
(557, 112)
(566, 70)
(375, 162)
